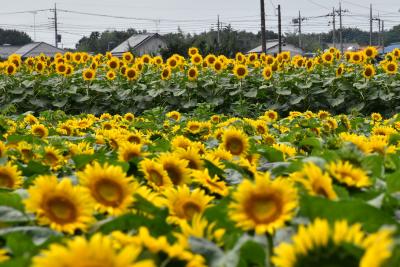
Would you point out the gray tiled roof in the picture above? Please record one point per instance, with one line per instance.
(30, 50)
(131, 43)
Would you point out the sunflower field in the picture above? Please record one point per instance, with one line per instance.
(82, 83)
(309, 189)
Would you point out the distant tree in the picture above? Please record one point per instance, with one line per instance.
(14, 37)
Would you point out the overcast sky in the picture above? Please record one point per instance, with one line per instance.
(192, 16)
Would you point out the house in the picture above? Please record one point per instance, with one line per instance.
(29, 50)
(273, 48)
(391, 47)
(346, 46)
(140, 44)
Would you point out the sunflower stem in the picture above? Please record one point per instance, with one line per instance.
(270, 249)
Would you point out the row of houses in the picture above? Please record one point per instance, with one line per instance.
(148, 43)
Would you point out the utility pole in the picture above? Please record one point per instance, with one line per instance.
(370, 24)
(263, 36)
(341, 27)
(218, 34)
(334, 27)
(299, 30)
(383, 36)
(34, 25)
(279, 28)
(380, 32)
(55, 25)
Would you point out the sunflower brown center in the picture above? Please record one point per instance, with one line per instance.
(391, 67)
(6, 180)
(108, 192)
(368, 72)
(39, 132)
(134, 139)
(264, 208)
(61, 210)
(241, 71)
(235, 146)
(190, 208)
(128, 155)
(156, 177)
(174, 174)
(51, 158)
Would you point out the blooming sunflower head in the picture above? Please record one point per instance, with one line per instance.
(235, 141)
(99, 251)
(213, 184)
(346, 173)
(320, 244)
(315, 181)
(176, 168)
(109, 186)
(10, 176)
(61, 205)
(263, 205)
(39, 130)
(155, 174)
(183, 204)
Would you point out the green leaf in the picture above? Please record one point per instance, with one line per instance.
(353, 210)
(35, 167)
(374, 163)
(9, 214)
(313, 142)
(270, 153)
(12, 200)
(393, 182)
(283, 91)
(252, 254)
(336, 101)
(252, 93)
(60, 103)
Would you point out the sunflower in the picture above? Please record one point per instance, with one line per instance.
(193, 127)
(172, 62)
(370, 52)
(320, 244)
(109, 187)
(263, 205)
(315, 181)
(267, 73)
(218, 66)
(132, 74)
(175, 115)
(166, 73)
(272, 115)
(10, 176)
(176, 168)
(369, 71)
(376, 117)
(196, 59)
(193, 51)
(192, 74)
(127, 57)
(52, 157)
(328, 58)
(345, 173)
(240, 71)
(183, 204)
(3, 255)
(31, 119)
(383, 130)
(110, 75)
(61, 68)
(340, 70)
(391, 68)
(61, 205)
(191, 154)
(356, 57)
(128, 151)
(287, 150)
(235, 141)
(10, 69)
(213, 185)
(40, 130)
(89, 74)
(155, 175)
(99, 251)
(3, 150)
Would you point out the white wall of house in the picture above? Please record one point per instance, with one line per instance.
(152, 47)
